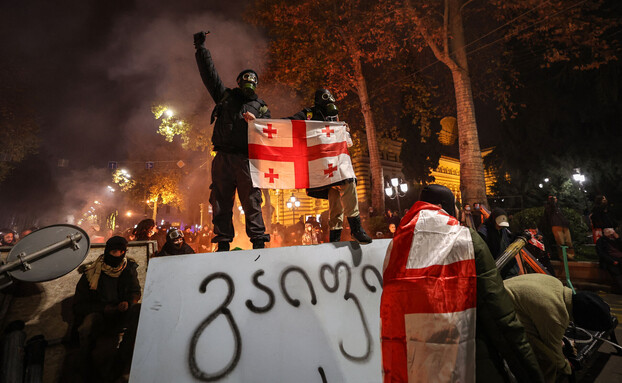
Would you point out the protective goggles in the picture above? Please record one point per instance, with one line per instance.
(176, 234)
(250, 77)
(328, 97)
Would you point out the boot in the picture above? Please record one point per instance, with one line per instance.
(335, 235)
(260, 244)
(223, 246)
(357, 231)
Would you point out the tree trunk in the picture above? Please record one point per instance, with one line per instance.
(155, 210)
(375, 167)
(472, 182)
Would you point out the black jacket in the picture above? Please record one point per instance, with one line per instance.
(87, 301)
(231, 131)
(171, 249)
(314, 113)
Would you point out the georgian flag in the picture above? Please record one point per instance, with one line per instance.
(290, 154)
(427, 309)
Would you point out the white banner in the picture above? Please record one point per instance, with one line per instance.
(291, 314)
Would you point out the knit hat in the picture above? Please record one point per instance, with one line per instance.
(590, 311)
(439, 194)
(116, 243)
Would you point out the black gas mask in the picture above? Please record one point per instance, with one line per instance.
(247, 82)
(326, 102)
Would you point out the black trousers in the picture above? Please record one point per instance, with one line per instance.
(231, 172)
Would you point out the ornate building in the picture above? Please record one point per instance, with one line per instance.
(447, 173)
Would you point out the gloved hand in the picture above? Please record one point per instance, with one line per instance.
(199, 39)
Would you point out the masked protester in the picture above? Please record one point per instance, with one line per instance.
(175, 244)
(105, 302)
(447, 304)
(230, 168)
(342, 198)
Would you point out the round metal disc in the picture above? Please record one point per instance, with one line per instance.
(55, 264)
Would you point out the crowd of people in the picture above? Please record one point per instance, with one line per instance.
(510, 314)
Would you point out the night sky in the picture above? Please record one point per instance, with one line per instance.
(92, 70)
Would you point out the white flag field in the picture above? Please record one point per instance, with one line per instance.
(291, 154)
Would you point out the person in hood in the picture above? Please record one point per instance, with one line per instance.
(440, 281)
(106, 301)
(231, 168)
(175, 244)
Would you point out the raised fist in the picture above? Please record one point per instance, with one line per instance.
(199, 39)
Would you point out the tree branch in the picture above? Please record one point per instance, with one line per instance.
(442, 56)
(465, 4)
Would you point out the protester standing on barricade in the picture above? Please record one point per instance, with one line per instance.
(342, 198)
(230, 167)
(429, 293)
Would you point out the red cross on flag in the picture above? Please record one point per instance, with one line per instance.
(427, 309)
(286, 154)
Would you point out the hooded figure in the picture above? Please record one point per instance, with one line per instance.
(175, 244)
(444, 313)
(106, 300)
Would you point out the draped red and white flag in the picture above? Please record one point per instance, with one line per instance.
(290, 154)
(428, 302)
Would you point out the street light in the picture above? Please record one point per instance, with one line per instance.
(396, 190)
(293, 203)
(580, 178)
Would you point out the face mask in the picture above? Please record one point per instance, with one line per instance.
(248, 89)
(468, 208)
(330, 110)
(113, 261)
(476, 207)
